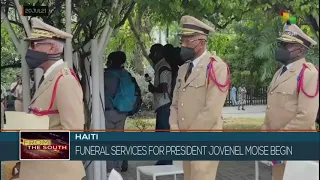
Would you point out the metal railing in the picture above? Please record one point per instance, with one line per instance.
(254, 96)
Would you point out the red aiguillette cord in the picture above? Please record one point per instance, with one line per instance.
(212, 75)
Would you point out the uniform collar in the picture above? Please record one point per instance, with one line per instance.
(288, 65)
(196, 60)
(52, 67)
(292, 65)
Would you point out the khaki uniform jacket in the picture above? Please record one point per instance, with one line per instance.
(68, 102)
(197, 105)
(287, 109)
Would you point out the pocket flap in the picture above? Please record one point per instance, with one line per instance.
(197, 83)
(284, 90)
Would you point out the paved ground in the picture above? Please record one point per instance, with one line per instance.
(250, 111)
(228, 170)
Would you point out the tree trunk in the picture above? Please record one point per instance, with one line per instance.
(84, 81)
(137, 61)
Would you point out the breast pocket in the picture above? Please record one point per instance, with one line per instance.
(197, 83)
(197, 90)
(286, 97)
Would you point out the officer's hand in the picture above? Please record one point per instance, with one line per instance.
(151, 88)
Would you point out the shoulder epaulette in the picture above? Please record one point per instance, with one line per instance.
(300, 87)
(309, 65)
(65, 71)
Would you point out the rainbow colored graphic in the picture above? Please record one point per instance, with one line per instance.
(287, 18)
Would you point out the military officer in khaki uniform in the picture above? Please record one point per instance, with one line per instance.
(59, 96)
(293, 98)
(198, 100)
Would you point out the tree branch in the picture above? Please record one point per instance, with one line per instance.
(139, 41)
(125, 17)
(16, 23)
(313, 26)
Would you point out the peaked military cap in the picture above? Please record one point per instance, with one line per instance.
(293, 34)
(41, 30)
(192, 26)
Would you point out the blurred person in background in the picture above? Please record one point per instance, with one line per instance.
(3, 105)
(16, 91)
(115, 120)
(161, 90)
(117, 80)
(234, 96)
(172, 56)
(242, 94)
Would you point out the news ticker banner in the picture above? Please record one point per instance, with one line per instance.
(159, 146)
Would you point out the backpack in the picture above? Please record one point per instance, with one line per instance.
(173, 79)
(127, 98)
(137, 106)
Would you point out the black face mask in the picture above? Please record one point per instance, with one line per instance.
(283, 55)
(35, 58)
(187, 54)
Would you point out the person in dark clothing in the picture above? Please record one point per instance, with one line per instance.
(172, 56)
(114, 120)
(169, 57)
(161, 90)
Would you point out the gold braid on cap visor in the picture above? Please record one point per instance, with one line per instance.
(39, 33)
(291, 38)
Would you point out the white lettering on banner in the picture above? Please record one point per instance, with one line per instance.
(128, 150)
(257, 150)
(176, 150)
(281, 150)
(92, 150)
(226, 150)
(92, 136)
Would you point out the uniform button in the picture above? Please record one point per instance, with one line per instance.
(181, 104)
(197, 86)
(268, 107)
(184, 89)
(182, 119)
(271, 92)
(283, 92)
